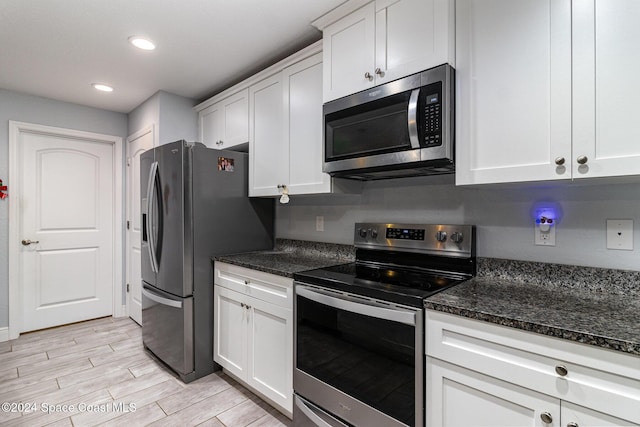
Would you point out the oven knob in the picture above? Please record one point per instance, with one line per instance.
(441, 236)
(457, 237)
(362, 232)
(374, 233)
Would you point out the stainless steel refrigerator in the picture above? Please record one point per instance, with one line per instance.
(194, 206)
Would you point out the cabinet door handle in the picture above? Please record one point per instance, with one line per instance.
(582, 160)
(561, 370)
(246, 282)
(572, 424)
(546, 418)
(559, 161)
(368, 76)
(379, 72)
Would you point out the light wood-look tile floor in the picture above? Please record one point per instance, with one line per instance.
(96, 373)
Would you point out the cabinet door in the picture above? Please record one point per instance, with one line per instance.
(271, 352)
(513, 90)
(235, 127)
(586, 417)
(269, 159)
(349, 49)
(412, 36)
(230, 331)
(211, 120)
(303, 119)
(461, 397)
(606, 88)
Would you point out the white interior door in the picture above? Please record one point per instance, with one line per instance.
(67, 209)
(136, 145)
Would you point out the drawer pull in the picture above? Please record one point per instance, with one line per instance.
(561, 370)
(572, 424)
(246, 282)
(546, 418)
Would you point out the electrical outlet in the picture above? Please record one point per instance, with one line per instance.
(620, 234)
(545, 234)
(545, 231)
(319, 223)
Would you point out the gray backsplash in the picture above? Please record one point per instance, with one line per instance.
(503, 216)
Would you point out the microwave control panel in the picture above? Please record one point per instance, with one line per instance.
(432, 124)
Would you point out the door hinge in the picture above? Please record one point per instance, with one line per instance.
(127, 288)
(127, 225)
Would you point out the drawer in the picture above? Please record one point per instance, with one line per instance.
(601, 379)
(267, 287)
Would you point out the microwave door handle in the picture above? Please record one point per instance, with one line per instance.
(360, 307)
(412, 119)
(150, 193)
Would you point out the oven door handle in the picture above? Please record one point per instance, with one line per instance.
(313, 417)
(412, 117)
(344, 302)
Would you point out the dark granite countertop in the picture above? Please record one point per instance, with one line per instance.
(291, 257)
(608, 320)
(593, 306)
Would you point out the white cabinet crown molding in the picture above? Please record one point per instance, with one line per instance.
(339, 12)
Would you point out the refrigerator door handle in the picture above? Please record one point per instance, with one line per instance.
(150, 192)
(161, 300)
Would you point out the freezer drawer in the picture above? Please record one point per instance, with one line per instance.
(167, 329)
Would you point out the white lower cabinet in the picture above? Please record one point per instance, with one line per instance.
(461, 397)
(253, 327)
(483, 374)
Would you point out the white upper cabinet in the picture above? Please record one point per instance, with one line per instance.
(383, 41)
(285, 143)
(269, 152)
(302, 85)
(546, 90)
(349, 51)
(513, 90)
(606, 88)
(225, 124)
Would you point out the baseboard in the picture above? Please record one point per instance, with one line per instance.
(4, 334)
(120, 311)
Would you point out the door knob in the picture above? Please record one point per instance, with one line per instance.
(27, 242)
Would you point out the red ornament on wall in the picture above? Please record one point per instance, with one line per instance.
(3, 188)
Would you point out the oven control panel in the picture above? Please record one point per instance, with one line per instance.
(439, 239)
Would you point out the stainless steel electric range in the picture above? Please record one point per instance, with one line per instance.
(359, 330)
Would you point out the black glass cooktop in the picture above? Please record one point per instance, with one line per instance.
(402, 285)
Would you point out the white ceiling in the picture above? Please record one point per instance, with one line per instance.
(57, 48)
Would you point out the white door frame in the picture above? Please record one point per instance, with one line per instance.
(15, 220)
(132, 137)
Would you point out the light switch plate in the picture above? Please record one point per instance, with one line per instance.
(620, 234)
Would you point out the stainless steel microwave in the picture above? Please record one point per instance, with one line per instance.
(398, 129)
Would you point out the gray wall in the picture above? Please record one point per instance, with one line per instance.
(172, 115)
(32, 109)
(504, 216)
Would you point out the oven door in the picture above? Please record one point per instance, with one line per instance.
(359, 359)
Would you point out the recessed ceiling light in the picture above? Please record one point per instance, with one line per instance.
(101, 87)
(142, 43)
